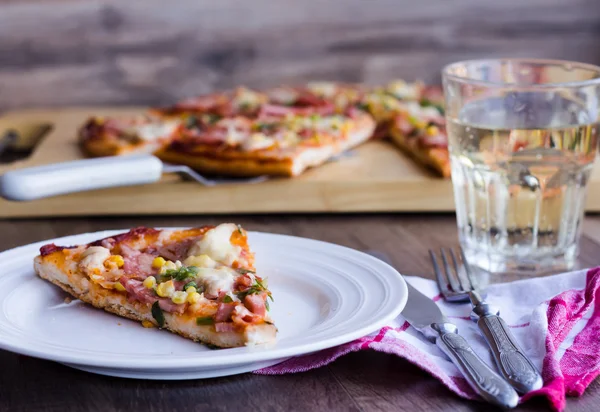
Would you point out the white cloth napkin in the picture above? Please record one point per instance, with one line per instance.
(555, 319)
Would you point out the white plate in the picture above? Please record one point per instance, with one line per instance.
(325, 295)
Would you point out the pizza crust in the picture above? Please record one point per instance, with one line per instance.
(244, 164)
(78, 285)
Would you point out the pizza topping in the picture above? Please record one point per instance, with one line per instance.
(150, 282)
(92, 259)
(323, 89)
(158, 315)
(217, 280)
(283, 95)
(405, 91)
(258, 141)
(165, 289)
(224, 311)
(216, 243)
(205, 320)
(256, 303)
(156, 130)
(202, 261)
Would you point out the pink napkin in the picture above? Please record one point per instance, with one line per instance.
(555, 319)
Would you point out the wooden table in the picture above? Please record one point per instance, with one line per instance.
(359, 381)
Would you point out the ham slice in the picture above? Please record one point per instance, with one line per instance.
(139, 265)
(403, 125)
(242, 316)
(439, 140)
(136, 291)
(224, 311)
(256, 304)
(167, 305)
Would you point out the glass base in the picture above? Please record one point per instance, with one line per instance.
(521, 266)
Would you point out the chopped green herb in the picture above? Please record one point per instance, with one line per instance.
(190, 284)
(211, 118)
(429, 103)
(258, 287)
(362, 106)
(245, 106)
(180, 274)
(239, 227)
(207, 320)
(227, 299)
(315, 117)
(158, 315)
(243, 271)
(192, 122)
(267, 305)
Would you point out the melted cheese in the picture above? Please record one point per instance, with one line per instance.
(155, 131)
(217, 280)
(403, 90)
(258, 141)
(202, 261)
(216, 243)
(323, 89)
(93, 258)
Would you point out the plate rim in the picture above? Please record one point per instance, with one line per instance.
(223, 359)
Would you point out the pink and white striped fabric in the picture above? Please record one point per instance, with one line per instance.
(555, 319)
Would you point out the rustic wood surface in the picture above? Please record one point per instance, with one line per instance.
(360, 381)
(65, 52)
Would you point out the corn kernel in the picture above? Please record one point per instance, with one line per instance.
(165, 289)
(119, 287)
(168, 265)
(193, 297)
(116, 260)
(433, 131)
(179, 297)
(150, 282)
(158, 262)
(147, 324)
(190, 289)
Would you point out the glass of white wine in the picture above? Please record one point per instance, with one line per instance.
(523, 137)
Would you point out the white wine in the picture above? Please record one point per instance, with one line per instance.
(520, 179)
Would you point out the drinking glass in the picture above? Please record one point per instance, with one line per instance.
(523, 136)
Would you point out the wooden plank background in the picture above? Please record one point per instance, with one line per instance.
(65, 52)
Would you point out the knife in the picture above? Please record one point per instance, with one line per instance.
(425, 316)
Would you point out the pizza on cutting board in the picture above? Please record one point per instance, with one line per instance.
(281, 131)
(200, 283)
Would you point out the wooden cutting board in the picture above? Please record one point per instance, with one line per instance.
(376, 177)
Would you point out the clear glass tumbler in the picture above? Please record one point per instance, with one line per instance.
(523, 136)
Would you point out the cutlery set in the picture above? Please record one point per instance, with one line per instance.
(517, 373)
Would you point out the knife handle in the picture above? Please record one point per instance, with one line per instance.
(516, 368)
(79, 175)
(487, 383)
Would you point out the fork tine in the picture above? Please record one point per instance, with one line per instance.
(453, 284)
(442, 283)
(467, 269)
(457, 271)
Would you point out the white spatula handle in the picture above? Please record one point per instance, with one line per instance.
(78, 176)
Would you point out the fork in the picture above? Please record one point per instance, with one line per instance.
(512, 362)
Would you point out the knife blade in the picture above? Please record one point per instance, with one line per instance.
(425, 316)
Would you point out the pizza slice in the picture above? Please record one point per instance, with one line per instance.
(280, 140)
(115, 136)
(420, 131)
(199, 283)
(412, 115)
(148, 132)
